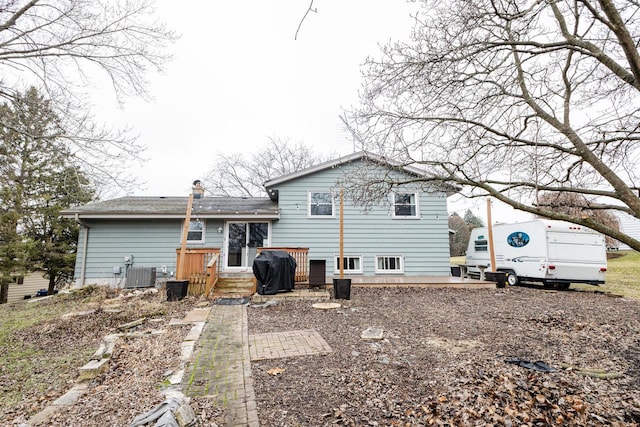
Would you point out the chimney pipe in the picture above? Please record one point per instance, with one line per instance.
(198, 191)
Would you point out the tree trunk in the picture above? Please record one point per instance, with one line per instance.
(52, 282)
(4, 293)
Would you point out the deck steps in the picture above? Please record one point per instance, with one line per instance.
(235, 287)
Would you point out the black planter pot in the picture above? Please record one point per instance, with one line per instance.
(177, 289)
(342, 288)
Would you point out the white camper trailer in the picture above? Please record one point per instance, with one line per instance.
(556, 253)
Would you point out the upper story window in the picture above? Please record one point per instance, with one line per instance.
(405, 205)
(196, 231)
(321, 204)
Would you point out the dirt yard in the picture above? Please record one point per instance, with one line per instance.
(41, 360)
(443, 360)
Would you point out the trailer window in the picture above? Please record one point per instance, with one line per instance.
(480, 245)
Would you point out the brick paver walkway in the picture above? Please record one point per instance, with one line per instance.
(287, 344)
(221, 366)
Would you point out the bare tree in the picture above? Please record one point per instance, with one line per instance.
(63, 47)
(459, 240)
(243, 174)
(577, 205)
(511, 98)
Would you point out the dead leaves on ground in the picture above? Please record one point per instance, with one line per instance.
(420, 375)
(276, 371)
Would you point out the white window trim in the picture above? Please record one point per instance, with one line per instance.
(204, 229)
(336, 266)
(333, 204)
(378, 271)
(393, 205)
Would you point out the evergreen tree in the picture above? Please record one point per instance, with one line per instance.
(37, 180)
(471, 220)
(12, 249)
(54, 239)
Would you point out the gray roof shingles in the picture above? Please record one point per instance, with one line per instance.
(171, 207)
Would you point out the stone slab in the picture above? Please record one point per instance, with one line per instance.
(372, 334)
(42, 417)
(69, 398)
(78, 314)
(197, 315)
(93, 369)
(326, 305)
(186, 350)
(176, 377)
(185, 416)
(195, 332)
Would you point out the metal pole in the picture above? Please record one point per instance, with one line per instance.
(341, 233)
(492, 253)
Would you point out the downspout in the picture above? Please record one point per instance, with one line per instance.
(85, 241)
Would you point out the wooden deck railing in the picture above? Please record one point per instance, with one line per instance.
(196, 268)
(301, 255)
(213, 274)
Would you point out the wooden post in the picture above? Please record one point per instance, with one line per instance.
(183, 243)
(492, 253)
(341, 263)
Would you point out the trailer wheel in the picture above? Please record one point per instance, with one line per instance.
(512, 278)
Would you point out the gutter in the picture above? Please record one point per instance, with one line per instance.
(85, 241)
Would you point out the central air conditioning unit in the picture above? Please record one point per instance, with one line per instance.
(140, 277)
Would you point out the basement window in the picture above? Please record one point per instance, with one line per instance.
(389, 264)
(351, 264)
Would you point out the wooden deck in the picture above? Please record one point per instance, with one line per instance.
(302, 292)
(421, 281)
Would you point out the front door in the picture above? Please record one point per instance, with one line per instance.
(243, 240)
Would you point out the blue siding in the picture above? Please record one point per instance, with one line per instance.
(424, 242)
(152, 243)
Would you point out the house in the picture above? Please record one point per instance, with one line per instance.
(405, 235)
(27, 286)
(628, 225)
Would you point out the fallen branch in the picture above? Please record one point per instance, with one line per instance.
(593, 372)
(132, 324)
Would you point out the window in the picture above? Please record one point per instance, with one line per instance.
(18, 280)
(320, 204)
(480, 245)
(405, 205)
(196, 231)
(389, 264)
(351, 264)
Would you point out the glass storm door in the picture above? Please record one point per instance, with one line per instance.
(243, 240)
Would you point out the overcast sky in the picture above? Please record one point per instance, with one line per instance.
(239, 76)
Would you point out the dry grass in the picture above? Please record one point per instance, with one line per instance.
(41, 350)
(623, 276)
(455, 260)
